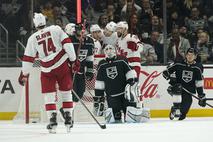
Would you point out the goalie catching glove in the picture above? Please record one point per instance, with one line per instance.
(98, 106)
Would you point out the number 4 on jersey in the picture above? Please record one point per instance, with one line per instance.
(47, 46)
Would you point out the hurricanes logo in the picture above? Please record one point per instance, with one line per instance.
(187, 76)
(83, 54)
(112, 72)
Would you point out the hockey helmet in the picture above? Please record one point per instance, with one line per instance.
(109, 51)
(122, 24)
(70, 29)
(95, 28)
(111, 26)
(39, 20)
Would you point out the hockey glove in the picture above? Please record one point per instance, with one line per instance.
(89, 74)
(132, 81)
(132, 45)
(76, 66)
(98, 106)
(131, 93)
(22, 78)
(165, 74)
(202, 100)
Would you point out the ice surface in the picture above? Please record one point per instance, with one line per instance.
(156, 130)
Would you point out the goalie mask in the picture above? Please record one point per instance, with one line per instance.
(110, 51)
(70, 29)
(39, 20)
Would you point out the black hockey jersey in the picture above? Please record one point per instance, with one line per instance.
(86, 54)
(112, 76)
(188, 75)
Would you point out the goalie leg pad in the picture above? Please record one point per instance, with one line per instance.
(137, 115)
(109, 116)
(98, 106)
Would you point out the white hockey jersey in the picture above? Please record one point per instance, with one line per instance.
(52, 46)
(133, 57)
(97, 46)
(112, 40)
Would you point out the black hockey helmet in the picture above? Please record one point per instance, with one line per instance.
(192, 50)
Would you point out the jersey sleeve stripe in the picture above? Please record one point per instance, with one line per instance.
(134, 59)
(66, 40)
(54, 60)
(28, 59)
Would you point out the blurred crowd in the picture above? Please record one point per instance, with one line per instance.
(189, 22)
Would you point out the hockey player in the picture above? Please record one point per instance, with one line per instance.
(129, 45)
(84, 49)
(114, 75)
(70, 29)
(187, 80)
(54, 49)
(96, 34)
(109, 34)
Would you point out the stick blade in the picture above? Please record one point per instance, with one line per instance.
(103, 126)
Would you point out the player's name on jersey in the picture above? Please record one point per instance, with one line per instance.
(43, 35)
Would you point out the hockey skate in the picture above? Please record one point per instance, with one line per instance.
(68, 120)
(175, 114)
(53, 123)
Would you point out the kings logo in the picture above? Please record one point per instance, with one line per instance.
(83, 54)
(112, 72)
(187, 76)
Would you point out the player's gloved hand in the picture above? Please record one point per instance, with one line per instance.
(89, 76)
(132, 45)
(22, 78)
(76, 66)
(132, 81)
(202, 100)
(165, 74)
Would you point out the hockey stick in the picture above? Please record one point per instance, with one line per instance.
(197, 97)
(102, 126)
(209, 99)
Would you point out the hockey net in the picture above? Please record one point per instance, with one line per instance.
(32, 108)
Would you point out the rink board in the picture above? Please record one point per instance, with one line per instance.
(152, 85)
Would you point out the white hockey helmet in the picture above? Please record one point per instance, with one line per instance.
(109, 51)
(111, 26)
(70, 29)
(95, 28)
(122, 24)
(39, 20)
